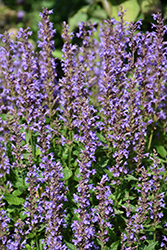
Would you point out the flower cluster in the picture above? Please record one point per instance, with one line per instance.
(81, 157)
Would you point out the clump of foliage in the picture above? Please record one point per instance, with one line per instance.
(83, 158)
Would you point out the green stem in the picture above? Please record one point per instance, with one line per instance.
(61, 157)
(31, 142)
(70, 149)
(36, 241)
(150, 140)
(154, 235)
(152, 130)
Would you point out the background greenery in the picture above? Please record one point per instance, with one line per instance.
(23, 13)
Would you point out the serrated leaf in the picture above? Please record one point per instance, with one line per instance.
(67, 173)
(161, 151)
(71, 246)
(151, 246)
(114, 246)
(12, 199)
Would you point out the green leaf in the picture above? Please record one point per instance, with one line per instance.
(28, 247)
(41, 246)
(130, 178)
(19, 184)
(12, 208)
(65, 154)
(76, 217)
(132, 10)
(76, 152)
(38, 152)
(76, 173)
(102, 138)
(129, 197)
(161, 151)
(12, 199)
(71, 246)
(17, 192)
(67, 173)
(105, 163)
(42, 226)
(25, 156)
(151, 246)
(99, 13)
(117, 211)
(30, 235)
(114, 246)
(149, 6)
(22, 217)
(80, 16)
(161, 160)
(108, 7)
(28, 136)
(110, 174)
(6, 117)
(106, 248)
(57, 53)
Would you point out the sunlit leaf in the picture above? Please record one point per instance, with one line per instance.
(80, 16)
(57, 53)
(151, 246)
(71, 246)
(161, 151)
(12, 199)
(132, 10)
(67, 173)
(114, 245)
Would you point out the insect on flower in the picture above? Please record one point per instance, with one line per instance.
(127, 129)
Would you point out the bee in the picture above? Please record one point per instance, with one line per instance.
(127, 129)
